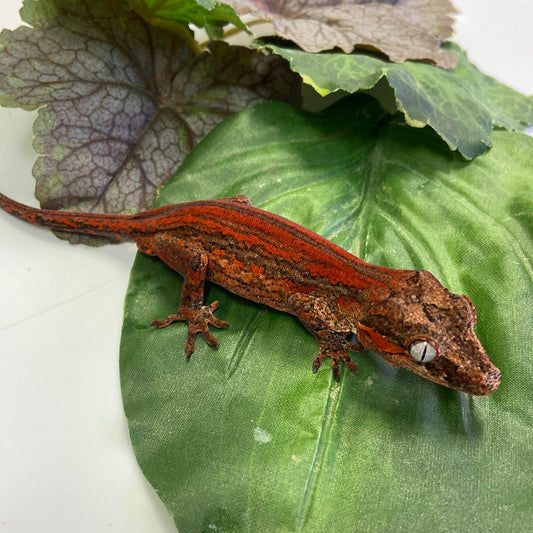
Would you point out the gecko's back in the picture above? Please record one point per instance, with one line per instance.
(236, 236)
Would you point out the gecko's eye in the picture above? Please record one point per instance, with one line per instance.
(423, 350)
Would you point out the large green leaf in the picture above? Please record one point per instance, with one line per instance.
(245, 437)
(462, 104)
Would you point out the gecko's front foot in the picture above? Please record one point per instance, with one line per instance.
(330, 330)
(336, 355)
(198, 321)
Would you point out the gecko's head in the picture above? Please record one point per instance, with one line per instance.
(423, 327)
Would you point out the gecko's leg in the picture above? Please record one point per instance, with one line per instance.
(192, 264)
(329, 331)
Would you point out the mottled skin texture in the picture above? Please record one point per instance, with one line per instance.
(270, 260)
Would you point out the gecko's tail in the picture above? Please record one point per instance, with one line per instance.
(98, 224)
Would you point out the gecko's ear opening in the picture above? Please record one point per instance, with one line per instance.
(424, 350)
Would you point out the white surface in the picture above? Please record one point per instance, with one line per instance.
(66, 462)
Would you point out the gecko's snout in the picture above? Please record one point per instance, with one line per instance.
(493, 380)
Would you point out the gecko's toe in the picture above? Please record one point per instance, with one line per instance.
(317, 362)
(350, 365)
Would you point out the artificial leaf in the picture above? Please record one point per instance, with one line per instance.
(121, 103)
(202, 13)
(245, 437)
(401, 29)
(462, 105)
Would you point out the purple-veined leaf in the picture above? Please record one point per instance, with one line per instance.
(401, 29)
(122, 103)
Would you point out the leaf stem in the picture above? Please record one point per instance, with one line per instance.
(235, 31)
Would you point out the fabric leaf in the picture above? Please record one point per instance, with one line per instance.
(401, 29)
(462, 105)
(121, 103)
(245, 437)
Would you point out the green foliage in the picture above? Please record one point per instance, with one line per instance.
(123, 98)
(203, 14)
(245, 437)
(462, 105)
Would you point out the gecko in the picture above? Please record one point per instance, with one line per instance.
(406, 316)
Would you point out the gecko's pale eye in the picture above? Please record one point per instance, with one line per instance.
(423, 350)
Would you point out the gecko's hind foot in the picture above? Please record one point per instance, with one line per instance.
(198, 321)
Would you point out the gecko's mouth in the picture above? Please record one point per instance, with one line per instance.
(485, 386)
(466, 367)
(480, 380)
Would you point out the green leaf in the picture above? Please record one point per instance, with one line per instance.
(462, 105)
(200, 13)
(121, 103)
(245, 437)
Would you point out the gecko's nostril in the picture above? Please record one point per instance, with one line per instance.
(493, 380)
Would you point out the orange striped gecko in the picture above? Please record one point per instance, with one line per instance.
(406, 316)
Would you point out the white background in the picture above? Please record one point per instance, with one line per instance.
(66, 463)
